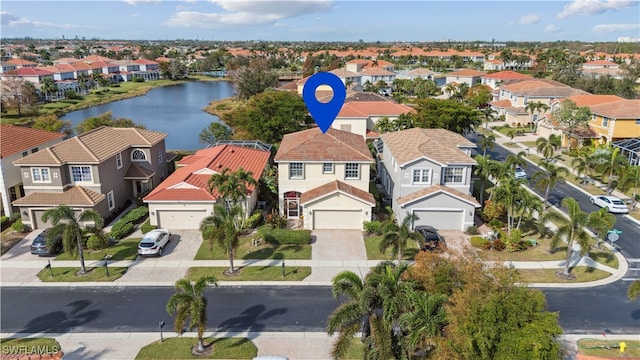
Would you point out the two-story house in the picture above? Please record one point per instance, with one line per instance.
(18, 142)
(101, 170)
(324, 179)
(427, 172)
(466, 76)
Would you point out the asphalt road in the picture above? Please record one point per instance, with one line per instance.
(273, 309)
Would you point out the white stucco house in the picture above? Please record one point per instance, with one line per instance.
(466, 76)
(427, 172)
(324, 179)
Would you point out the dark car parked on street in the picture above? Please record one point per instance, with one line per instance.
(431, 239)
(39, 245)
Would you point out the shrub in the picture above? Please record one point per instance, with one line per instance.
(275, 220)
(512, 240)
(254, 220)
(4, 219)
(496, 224)
(373, 227)
(97, 242)
(494, 210)
(472, 230)
(15, 216)
(146, 227)
(285, 236)
(479, 242)
(498, 245)
(18, 226)
(136, 215)
(121, 229)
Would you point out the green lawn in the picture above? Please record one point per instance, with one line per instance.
(180, 348)
(246, 250)
(69, 274)
(372, 244)
(604, 257)
(540, 252)
(582, 273)
(597, 347)
(29, 345)
(252, 273)
(124, 250)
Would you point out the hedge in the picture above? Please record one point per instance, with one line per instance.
(479, 242)
(120, 230)
(136, 215)
(373, 227)
(285, 236)
(146, 227)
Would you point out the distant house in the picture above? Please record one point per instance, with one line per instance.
(183, 199)
(324, 179)
(427, 172)
(466, 76)
(498, 78)
(102, 170)
(18, 142)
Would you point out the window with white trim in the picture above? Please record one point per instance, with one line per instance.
(40, 175)
(81, 173)
(605, 121)
(327, 168)
(421, 176)
(454, 175)
(119, 160)
(296, 171)
(110, 201)
(138, 155)
(160, 157)
(352, 171)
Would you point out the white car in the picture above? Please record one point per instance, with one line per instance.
(154, 242)
(520, 173)
(614, 204)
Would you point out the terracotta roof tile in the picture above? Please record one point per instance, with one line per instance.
(333, 187)
(506, 75)
(590, 99)
(16, 139)
(313, 145)
(467, 72)
(436, 144)
(373, 108)
(437, 189)
(73, 196)
(625, 109)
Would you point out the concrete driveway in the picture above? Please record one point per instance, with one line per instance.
(22, 250)
(329, 245)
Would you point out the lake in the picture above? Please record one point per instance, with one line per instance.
(175, 110)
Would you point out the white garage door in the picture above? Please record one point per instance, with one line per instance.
(37, 220)
(180, 219)
(337, 219)
(440, 219)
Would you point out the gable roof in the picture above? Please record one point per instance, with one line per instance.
(626, 109)
(93, 146)
(432, 190)
(337, 186)
(541, 87)
(506, 75)
(189, 182)
(16, 139)
(373, 108)
(440, 145)
(73, 196)
(313, 145)
(467, 72)
(590, 99)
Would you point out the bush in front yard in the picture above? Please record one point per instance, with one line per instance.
(146, 227)
(373, 227)
(478, 241)
(136, 215)
(285, 236)
(18, 226)
(121, 229)
(472, 230)
(254, 220)
(97, 242)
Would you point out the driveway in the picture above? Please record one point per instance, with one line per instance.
(22, 250)
(338, 245)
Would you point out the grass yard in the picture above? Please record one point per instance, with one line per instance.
(180, 348)
(69, 274)
(124, 250)
(582, 274)
(252, 273)
(597, 347)
(33, 346)
(539, 252)
(372, 244)
(604, 257)
(247, 251)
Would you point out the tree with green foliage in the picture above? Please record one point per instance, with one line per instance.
(216, 131)
(224, 227)
(445, 114)
(484, 169)
(253, 79)
(547, 147)
(610, 162)
(51, 122)
(189, 304)
(509, 193)
(572, 117)
(48, 86)
(66, 224)
(232, 185)
(423, 323)
(486, 142)
(395, 236)
(548, 177)
(602, 221)
(105, 119)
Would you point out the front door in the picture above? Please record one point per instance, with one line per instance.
(292, 204)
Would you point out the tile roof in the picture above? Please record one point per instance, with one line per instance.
(16, 139)
(506, 75)
(420, 72)
(600, 63)
(440, 145)
(590, 99)
(622, 109)
(334, 187)
(467, 72)
(93, 146)
(137, 172)
(373, 108)
(30, 71)
(189, 181)
(73, 196)
(313, 145)
(376, 71)
(344, 73)
(431, 190)
(21, 62)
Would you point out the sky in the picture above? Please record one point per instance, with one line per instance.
(323, 20)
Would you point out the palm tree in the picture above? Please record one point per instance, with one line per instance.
(547, 147)
(511, 133)
(395, 237)
(528, 204)
(602, 221)
(486, 142)
(483, 169)
(611, 163)
(190, 305)
(66, 222)
(232, 186)
(224, 227)
(424, 321)
(571, 229)
(631, 179)
(582, 165)
(548, 178)
(48, 87)
(450, 89)
(489, 114)
(509, 193)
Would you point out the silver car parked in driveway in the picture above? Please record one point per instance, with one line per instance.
(154, 242)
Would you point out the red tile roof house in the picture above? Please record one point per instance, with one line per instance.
(468, 76)
(18, 142)
(102, 170)
(183, 200)
(324, 179)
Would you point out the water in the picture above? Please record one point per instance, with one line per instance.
(175, 110)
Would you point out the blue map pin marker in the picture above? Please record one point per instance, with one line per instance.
(324, 113)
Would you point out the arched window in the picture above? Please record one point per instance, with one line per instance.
(138, 155)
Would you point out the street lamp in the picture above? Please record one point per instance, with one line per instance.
(106, 263)
(282, 267)
(161, 325)
(48, 266)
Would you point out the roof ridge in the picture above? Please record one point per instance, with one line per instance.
(84, 193)
(55, 157)
(349, 145)
(136, 130)
(84, 146)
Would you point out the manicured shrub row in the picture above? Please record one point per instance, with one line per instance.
(124, 226)
(136, 215)
(120, 230)
(96, 242)
(146, 227)
(285, 236)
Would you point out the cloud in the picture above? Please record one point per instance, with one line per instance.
(628, 39)
(10, 20)
(551, 28)
(603, 28)
(529, 19)
(248, 13)
(590, 7)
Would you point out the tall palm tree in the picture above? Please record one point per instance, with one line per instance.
(511, 133)
(486, 142)
(224, 227)
(232, 186)
(489, 114)
(424, 321)
(582, 165)
(631, 179)
(611, 163)
(483, 169)
(602, 221)
(527, 205)
(190, 305)
(509, 193)
(48, 87)
(547, 179)
(547, 147)
(570, 229)
(396, 236)
(66, 222)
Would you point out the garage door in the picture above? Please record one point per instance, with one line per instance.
(37, 220)
(337, 219)
(440, 219)
(180, 219)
